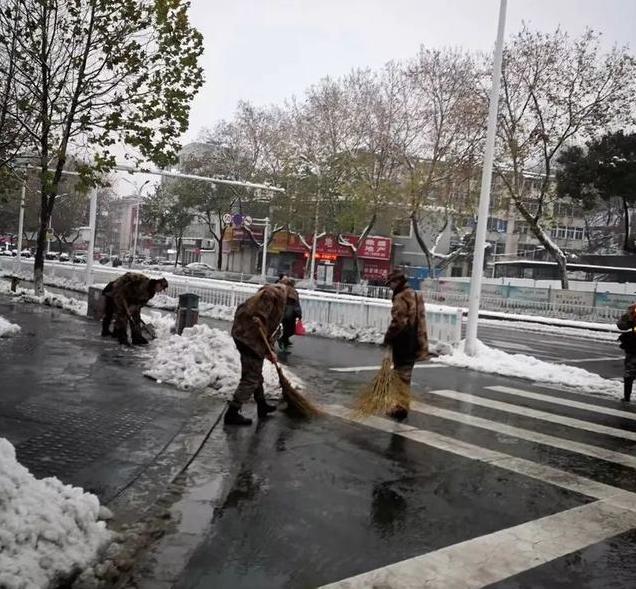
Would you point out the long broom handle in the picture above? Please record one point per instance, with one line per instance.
(266, 341)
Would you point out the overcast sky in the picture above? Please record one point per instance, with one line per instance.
(267, 50)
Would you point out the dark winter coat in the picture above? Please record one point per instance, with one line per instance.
(627, 324)
(267, 306)
(132, 289)
(407, 331)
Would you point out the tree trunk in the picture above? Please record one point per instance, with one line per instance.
(627, 244)
(219, 257)
(423, 246)
(178, 247)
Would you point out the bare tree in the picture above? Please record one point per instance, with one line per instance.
(555, 90)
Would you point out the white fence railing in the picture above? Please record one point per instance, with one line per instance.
(561, 310)
(329, 310)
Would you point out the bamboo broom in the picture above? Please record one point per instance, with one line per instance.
(297, 404)
(386, 392)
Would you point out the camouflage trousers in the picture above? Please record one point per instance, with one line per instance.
(251, 382)
(404, 373)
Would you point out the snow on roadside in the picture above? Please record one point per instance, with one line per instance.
(48, 530)
(606, 335)
(495, 361)
(203, 357)
(59, 301)
(7, 328)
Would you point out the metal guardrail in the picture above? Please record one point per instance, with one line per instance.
(329, 310)
(539, 308)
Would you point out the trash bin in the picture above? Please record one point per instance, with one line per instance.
(188, 311)
(96, 303)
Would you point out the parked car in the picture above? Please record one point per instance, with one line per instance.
(26, 253)
(79, 259)
(64, 257)
(51, 256)
(200, 270)
(6, 253)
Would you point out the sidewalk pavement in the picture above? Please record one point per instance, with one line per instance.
(77, 407)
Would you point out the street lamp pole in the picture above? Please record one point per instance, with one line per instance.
(18, 260)
(265, 240)
(484, 197)
(91, 239)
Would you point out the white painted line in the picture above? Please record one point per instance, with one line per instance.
(510, 345)
(542, 472)
(566, 402)
(527, 434)
(369, 368)
(536, 414)
(597, 359)
(494, 557)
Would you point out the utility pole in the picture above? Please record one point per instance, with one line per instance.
(91, 238)
(18, 258)
(265, 240)
(484, 197)
(312, 264)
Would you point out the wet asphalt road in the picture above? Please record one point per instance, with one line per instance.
(306, 505)
(295, 505)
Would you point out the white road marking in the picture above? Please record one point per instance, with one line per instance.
(494, 557)
(369, 368)
(542, 472)
(536, 414)
(597, 359)
(565, 402)
(527, 434)
(510, 345)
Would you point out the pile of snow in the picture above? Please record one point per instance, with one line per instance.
(203, 357)
(7, 328)
(168, 303)
(495, 361)
(352, 333)
(59, 301)
(48, 530)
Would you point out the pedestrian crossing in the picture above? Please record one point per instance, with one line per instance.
(509, 433)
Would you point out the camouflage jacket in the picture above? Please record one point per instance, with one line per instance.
(407, 331)
(133, 289)
(265, 308)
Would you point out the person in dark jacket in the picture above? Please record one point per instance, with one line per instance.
(293, 312)
(406, 333)
(125, 298)
(627, 324)
(259, 316)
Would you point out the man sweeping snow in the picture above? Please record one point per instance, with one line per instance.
(263, 311)
(406, 333)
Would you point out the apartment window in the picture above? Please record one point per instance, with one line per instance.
(522, 228)
(401, 228)
(571, 231)
(499, 225)
(579, 233)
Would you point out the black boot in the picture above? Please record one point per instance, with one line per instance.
(106, 329)
(139, 340)
(627, 389)
(264, 408)
(121, 335)
(233, 417)
(399, 413)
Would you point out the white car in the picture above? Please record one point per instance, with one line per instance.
(200, 270)
(6, 253)
(64, 257)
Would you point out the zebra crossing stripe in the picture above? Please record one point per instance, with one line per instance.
(510, 407)
(526, 434)
(542, 472)
(491, 558)
(566, 402)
